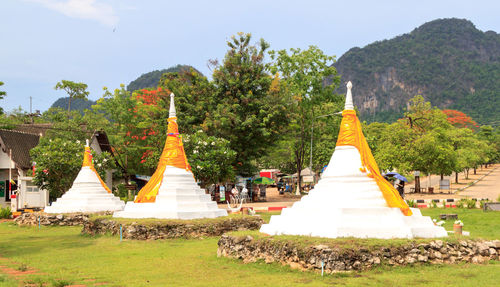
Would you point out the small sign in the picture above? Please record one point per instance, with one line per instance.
(416, 173)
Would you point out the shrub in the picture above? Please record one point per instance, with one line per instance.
(482, 202)
(411, 203)
(434, 204)
(471, 203)
(5, 212)
(461, 203)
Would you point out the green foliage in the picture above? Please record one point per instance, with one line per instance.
(5, 212)
(152, 79)
(449, 61)
(424, 140)
(433, 204)
(74, 90)
(411, 203)
(482, 202)
(59, 154)
(2, 95)
(247, 107)
(193, 98)
(210, 158)
(310, 102)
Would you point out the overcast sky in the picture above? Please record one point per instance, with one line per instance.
(108, 42)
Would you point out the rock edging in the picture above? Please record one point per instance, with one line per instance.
(343, 259)
(167, 230)
(70, 219)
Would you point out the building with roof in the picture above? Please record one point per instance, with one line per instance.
(15, 146)
(16, 164)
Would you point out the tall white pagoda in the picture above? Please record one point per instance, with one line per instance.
(172, 191)
(352, 199)
(88, 193)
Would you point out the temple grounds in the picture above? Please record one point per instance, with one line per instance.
(59, 256)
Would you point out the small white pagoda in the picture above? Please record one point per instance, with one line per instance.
(352, 199)
(172, 191)
(89, 193)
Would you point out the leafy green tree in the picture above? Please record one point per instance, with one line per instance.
(210, 158)
(193, 97)
(2, 95)
(120, 120)
(303, 73)
(58, 161)
(421, 141)
(247, 108)
(74, 90)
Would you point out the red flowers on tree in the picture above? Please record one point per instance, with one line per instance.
(460, 120)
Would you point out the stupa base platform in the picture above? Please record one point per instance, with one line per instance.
(376, 222)
(155, 210)
(86, 203)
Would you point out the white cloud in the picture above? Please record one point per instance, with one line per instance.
(83, 9)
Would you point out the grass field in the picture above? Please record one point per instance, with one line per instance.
(65, 256)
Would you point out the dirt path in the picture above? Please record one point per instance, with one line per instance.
(484, 184)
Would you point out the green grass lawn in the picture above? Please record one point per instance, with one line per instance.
(67, 256)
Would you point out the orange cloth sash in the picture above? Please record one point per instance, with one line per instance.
(351, 134)
(172, 155)
(87, 161)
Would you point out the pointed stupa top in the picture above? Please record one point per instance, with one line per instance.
(173, 155)
(172, 113)
(348, 98)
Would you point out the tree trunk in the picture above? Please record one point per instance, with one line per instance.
(466, 173)
(474, 170)
(456, 177)
(442, 176)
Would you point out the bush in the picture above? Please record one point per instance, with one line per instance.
(434, 204)
(461, 203)
(471, 203)
(482, 202)
(411, 203)
(5, 212)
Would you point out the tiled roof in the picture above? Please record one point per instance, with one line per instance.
(21, 143)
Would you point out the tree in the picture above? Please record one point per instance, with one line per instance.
(460, 120)
(193, 97)
(421, 141)
(120, 121)
(246, 108)
(58, 161)
(303, 73)
(2, 95)
(59, 154)
(210, 158)
(74, 90)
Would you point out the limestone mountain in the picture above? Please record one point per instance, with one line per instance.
(151, 79)
(448, 61)
(76, 104)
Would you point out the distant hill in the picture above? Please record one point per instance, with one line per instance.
(151, 79)
(448, 61)
(76, 104)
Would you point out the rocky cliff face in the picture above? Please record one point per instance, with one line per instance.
(448, 61)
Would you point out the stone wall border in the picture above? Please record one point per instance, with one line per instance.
(166, 229)
(334, 259)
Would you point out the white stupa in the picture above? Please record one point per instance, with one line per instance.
(88, 194)
(352, 199)
(172, 191)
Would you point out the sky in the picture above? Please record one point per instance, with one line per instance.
(109, 42)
